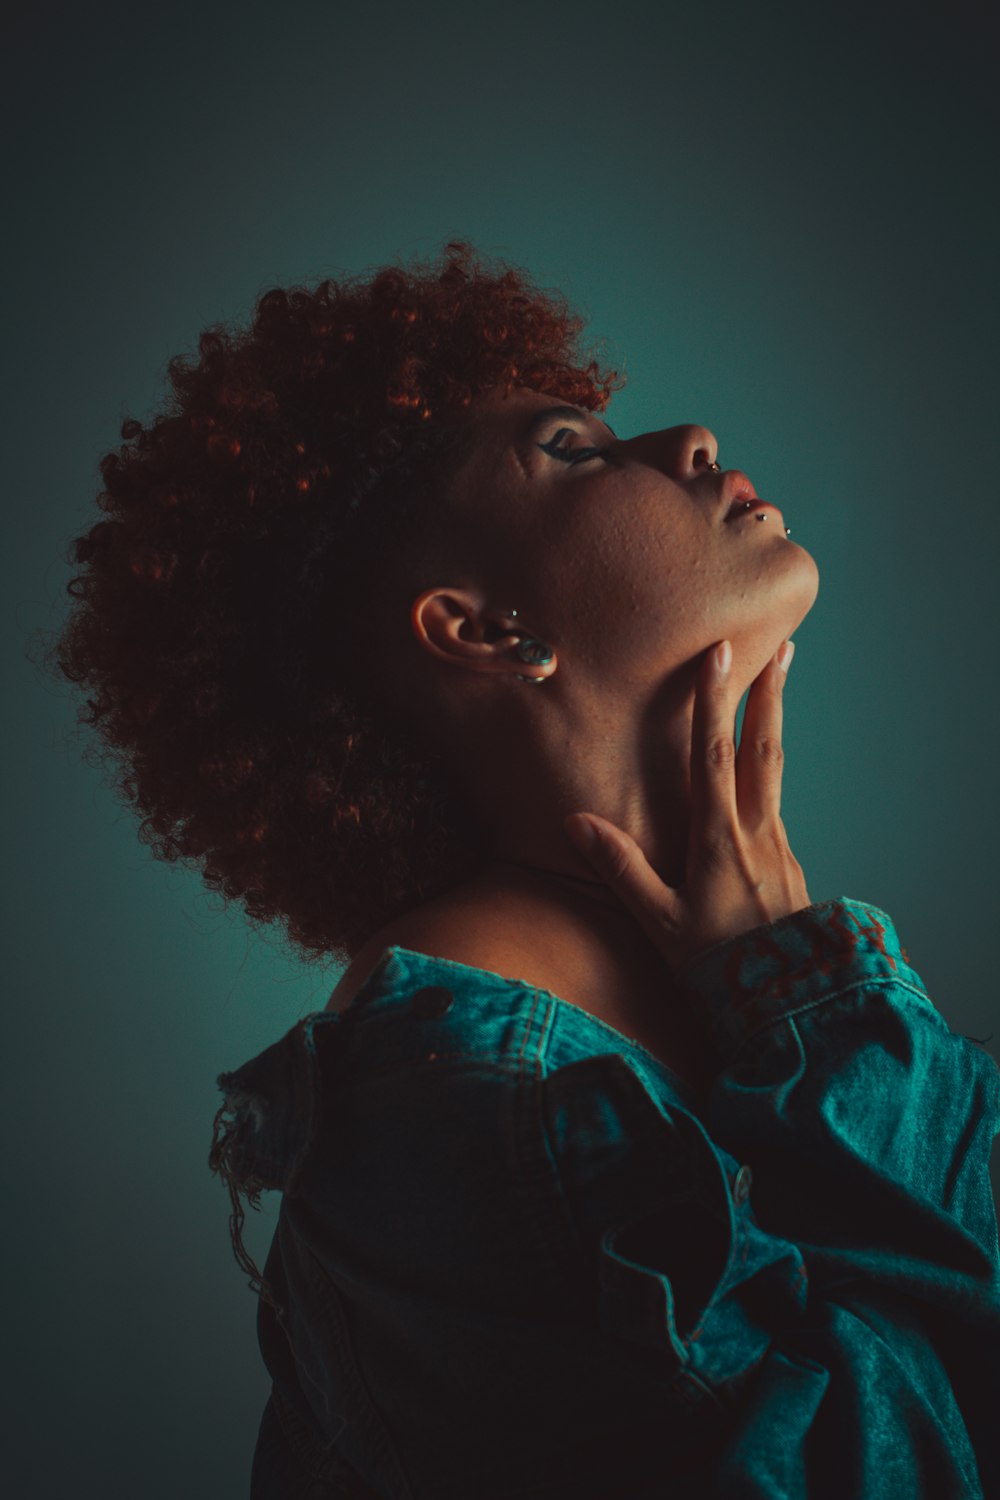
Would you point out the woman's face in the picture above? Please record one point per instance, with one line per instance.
(623, 554)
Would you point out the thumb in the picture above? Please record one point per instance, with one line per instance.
(585, 834)
(613, 853)
(620, 862)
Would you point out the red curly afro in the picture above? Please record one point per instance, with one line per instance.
(245, 522)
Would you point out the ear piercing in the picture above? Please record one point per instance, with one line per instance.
(534, 652)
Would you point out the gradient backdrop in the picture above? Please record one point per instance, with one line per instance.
(787, 229)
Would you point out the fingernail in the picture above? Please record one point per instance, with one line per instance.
(785, 654)
(724, 656)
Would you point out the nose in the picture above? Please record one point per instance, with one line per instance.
(683, 451)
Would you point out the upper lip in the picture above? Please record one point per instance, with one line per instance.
(735, 487)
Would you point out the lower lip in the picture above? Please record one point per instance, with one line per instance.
(756, 507)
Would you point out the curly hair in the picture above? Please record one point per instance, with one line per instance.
(292, 465)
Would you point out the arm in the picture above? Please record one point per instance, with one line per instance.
(818, 1267)
(830, 1287)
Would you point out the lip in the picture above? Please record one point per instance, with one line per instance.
(736, 489)
(739, 512)
(735, 486)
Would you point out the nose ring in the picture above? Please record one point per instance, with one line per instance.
(715, 468)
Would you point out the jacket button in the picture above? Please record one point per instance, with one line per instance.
(741, 1185)
(433, 1000)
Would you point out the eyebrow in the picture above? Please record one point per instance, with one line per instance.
(542, 418)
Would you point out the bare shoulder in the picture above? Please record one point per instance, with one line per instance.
(622, 981)
(445, 928)
(355, 974)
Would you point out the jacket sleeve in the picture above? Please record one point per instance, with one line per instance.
(820, 1261)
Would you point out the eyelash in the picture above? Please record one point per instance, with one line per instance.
(562, 453)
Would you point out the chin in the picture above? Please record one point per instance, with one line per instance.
(789, 600)
(801, 584)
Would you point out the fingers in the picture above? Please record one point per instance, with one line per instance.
(622, 864)
(740, 872)
(761, 757)
(713, 751)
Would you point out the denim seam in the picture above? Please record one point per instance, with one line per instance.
(926, 1007)
(815, 908)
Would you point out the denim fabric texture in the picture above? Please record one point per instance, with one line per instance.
(516, 1258)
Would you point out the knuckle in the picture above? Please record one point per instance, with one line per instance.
(720, 751)
(768, 751)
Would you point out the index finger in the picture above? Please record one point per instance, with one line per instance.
(713, 749)
(761, 757)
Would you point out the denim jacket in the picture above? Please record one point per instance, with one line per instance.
(517, 1258)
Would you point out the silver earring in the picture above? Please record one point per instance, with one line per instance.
(530, 650)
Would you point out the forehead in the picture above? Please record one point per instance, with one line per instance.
(499, 412)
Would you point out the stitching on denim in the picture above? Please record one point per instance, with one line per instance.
(926, 1007)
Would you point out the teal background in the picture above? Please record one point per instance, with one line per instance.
(784, 223)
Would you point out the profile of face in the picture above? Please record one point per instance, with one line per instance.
(629, 557)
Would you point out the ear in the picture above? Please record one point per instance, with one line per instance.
(457, 626)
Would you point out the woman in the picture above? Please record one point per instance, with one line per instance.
(613, 1169)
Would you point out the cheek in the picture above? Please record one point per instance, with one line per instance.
(658, 585)
(627, 562)
(671, 562)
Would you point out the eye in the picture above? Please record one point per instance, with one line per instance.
(567, 454)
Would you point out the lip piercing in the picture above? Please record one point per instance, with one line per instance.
(763, 516)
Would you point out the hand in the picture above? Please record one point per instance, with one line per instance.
(740, 871)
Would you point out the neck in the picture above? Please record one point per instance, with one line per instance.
(522, 763)
(588, 894)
